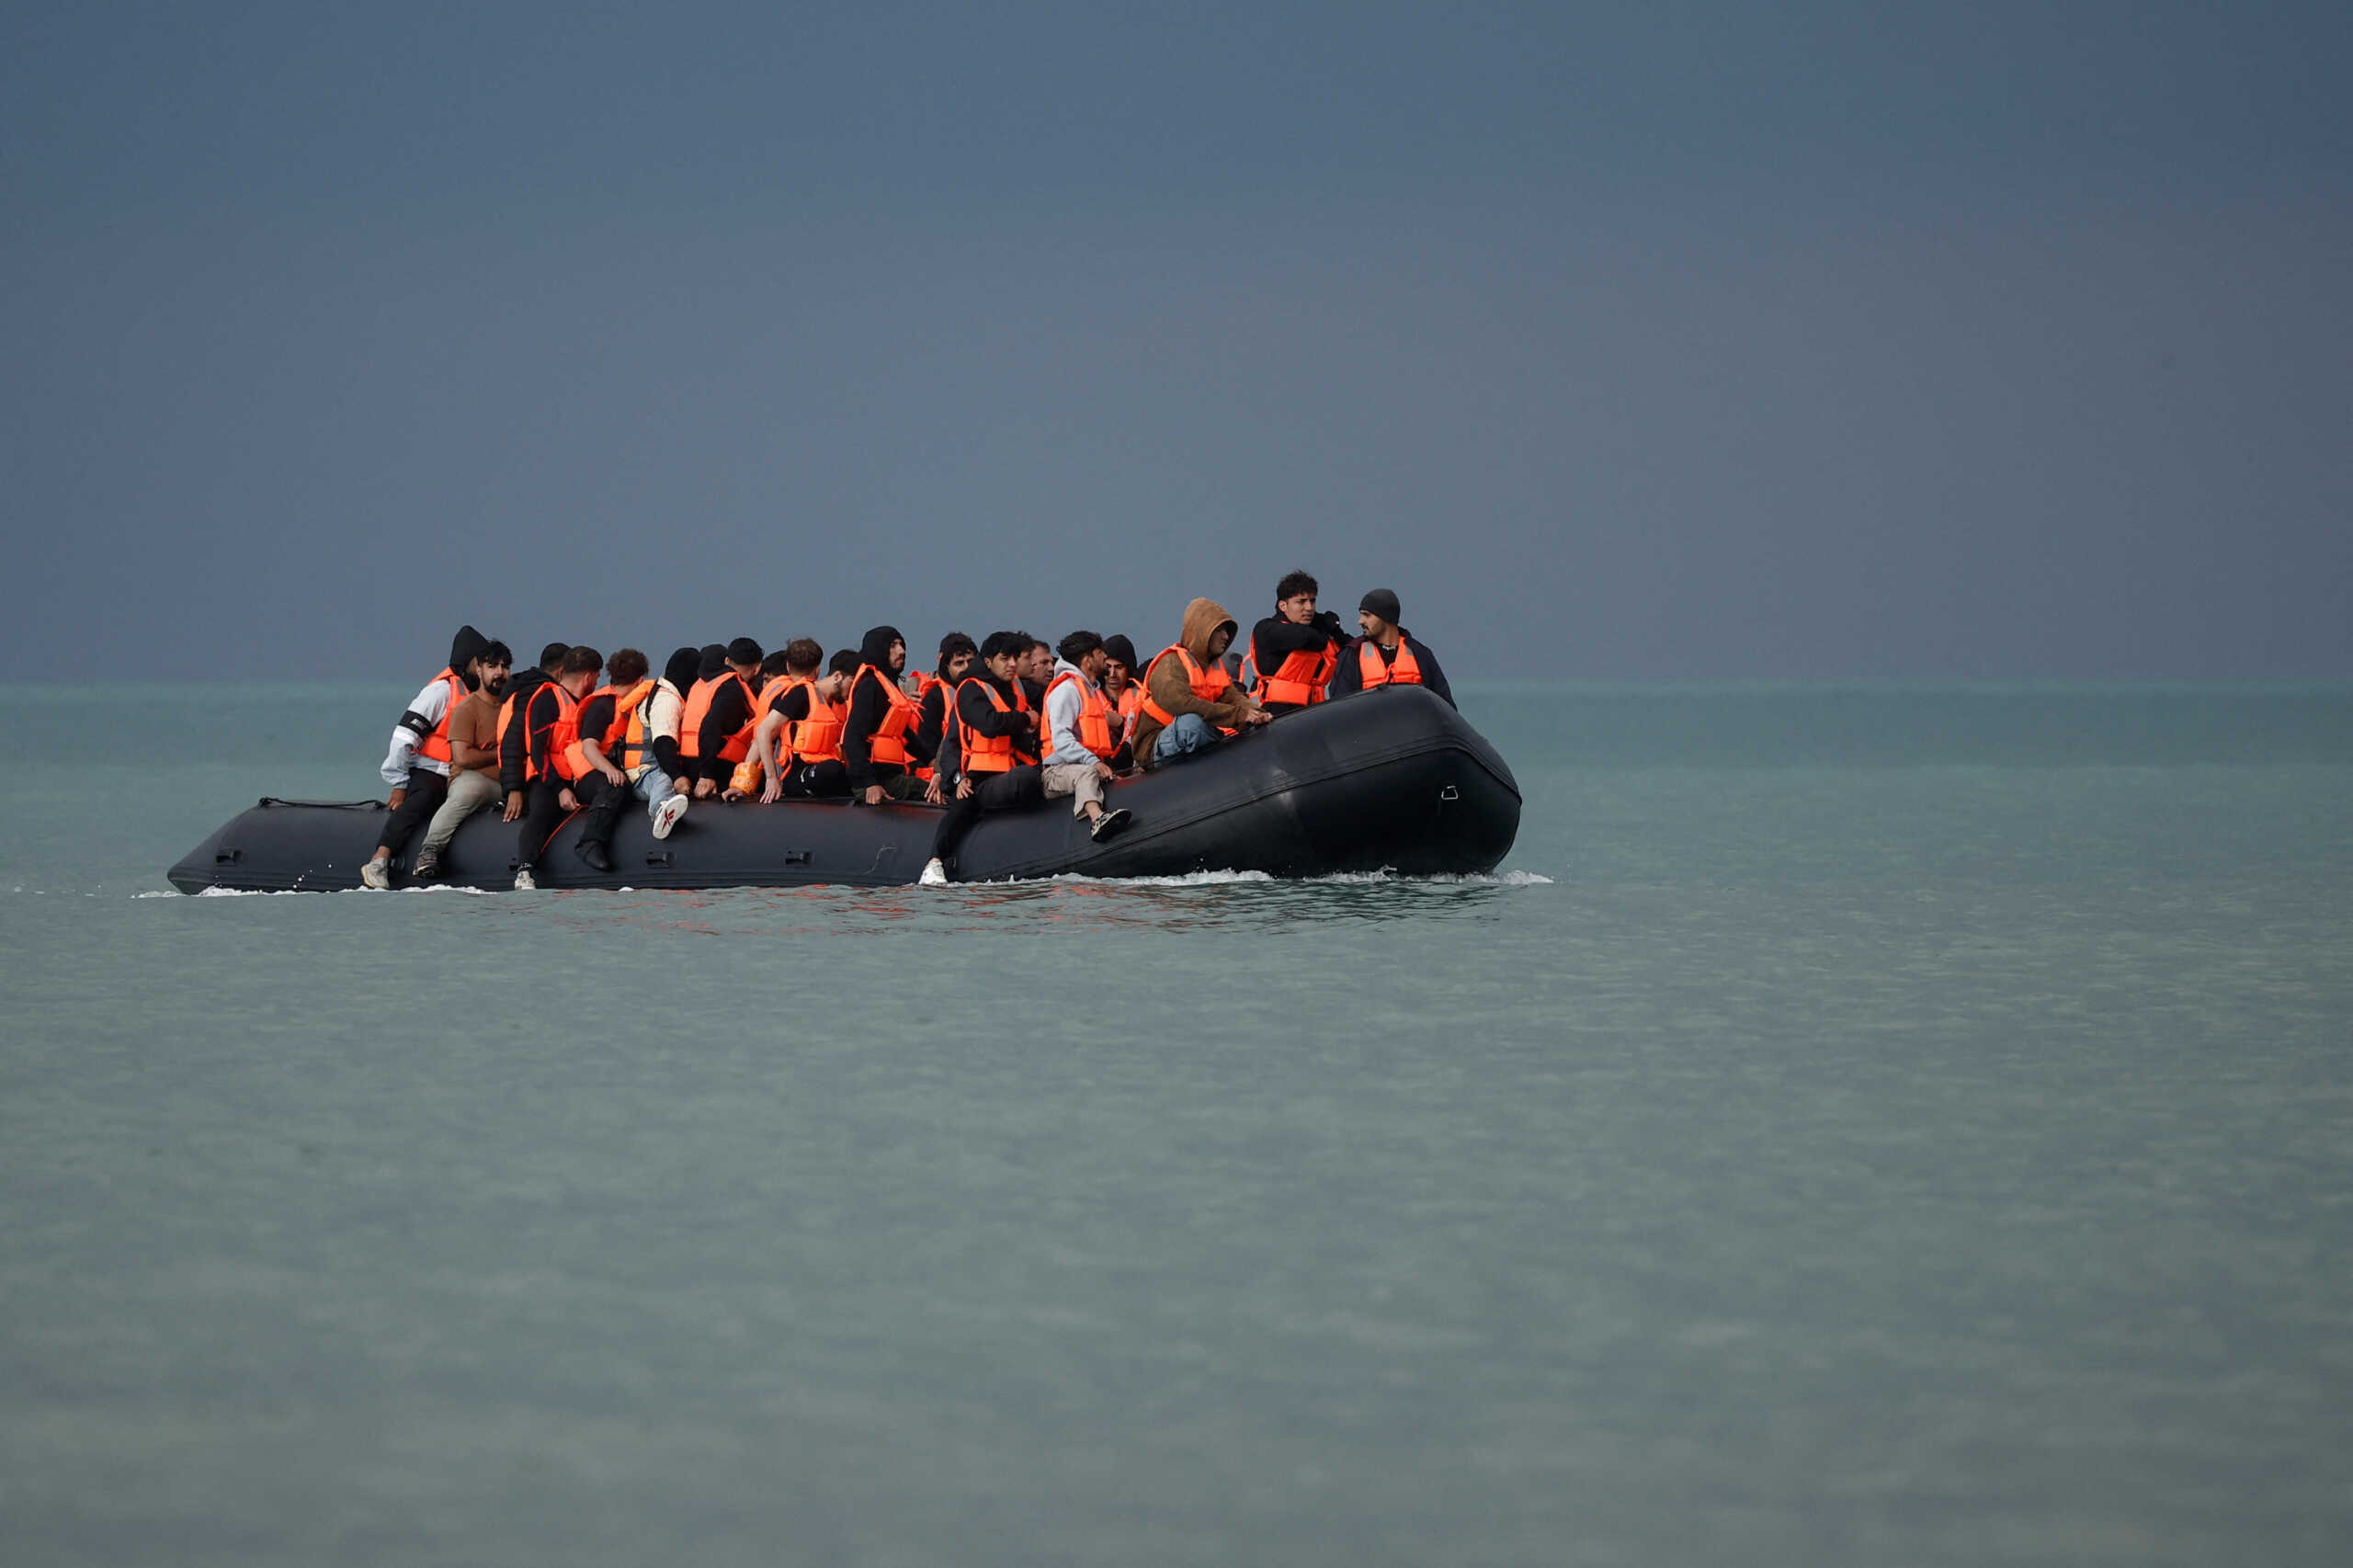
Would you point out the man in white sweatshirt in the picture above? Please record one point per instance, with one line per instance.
(417, 764)
(1082, 732)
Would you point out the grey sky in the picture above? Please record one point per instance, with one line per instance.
(1667, 341)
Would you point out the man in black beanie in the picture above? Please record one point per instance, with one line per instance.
(1386, 654)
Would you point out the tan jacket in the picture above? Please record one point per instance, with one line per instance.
(1167, 684)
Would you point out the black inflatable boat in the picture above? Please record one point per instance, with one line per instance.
(1392, 779)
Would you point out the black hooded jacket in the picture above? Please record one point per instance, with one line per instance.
(868, 708)
(680, 672)
(519, 688)
(464, 648)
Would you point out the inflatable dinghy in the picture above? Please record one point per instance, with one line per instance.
(1388, 780)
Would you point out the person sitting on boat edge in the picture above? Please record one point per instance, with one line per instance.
(1124, 689)
(519, 688)
(875, 734)
(418, 763)
(603, 758)
(1386, 654)
(474, 761)
(935, 699)
(661, 773)
(1080, 737)
(715, 733)
(1190, 700)
(776, 678)
(1294, 651)
(996, 736)
(796, 749)
(551, 725)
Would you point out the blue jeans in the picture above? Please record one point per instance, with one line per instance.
(1190, 733)
(655, 786)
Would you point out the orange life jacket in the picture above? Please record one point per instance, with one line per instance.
(1130, 704)
(1301, 680)
(747, 776)
(1405, 670)
(1094, 716)
(623, 742)
(1209, 684)
(563, 735)
(436, 744)
(889, 742)
(994, 753)
(736, 746)
(818, 738)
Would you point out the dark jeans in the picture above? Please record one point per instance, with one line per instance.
(427, 790)
(540, 819)
(600, 807)
(816, 781)
(1007, 792)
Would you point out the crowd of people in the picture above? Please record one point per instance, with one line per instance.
(997, 725)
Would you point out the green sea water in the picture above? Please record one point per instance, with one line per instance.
(1871, 1125)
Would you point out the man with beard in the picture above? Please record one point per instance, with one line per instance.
(1387, 655)
(876, 735)
(417, 766)
(474, 761)
(1037, 669)
(936, 700)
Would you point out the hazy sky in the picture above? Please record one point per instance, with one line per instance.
(1623, 341)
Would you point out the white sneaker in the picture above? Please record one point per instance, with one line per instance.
(377, 874)
(525, 881)
(934, 875)
(666, 815)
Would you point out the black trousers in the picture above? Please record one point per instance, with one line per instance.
(601, 800)
(1007, 792)
(816, 781)
(427, 790)
(540, 819)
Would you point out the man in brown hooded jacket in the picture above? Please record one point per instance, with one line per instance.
(1189, 701)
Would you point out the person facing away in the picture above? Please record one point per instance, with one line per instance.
(606, 758)
(550, 726)
(881, 721)
(510, 725)
(474, 761)
(418, 763)
(1386, 654)
(715, 732)
(1190, 700)
(996, 737)
(1295, 650)
(660, 777)
(935, 701)
(1081, 737)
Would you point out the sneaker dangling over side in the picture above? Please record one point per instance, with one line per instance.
(666, 815)
(1110, 825)
(934, 875)
(377, 874)
(525, 881)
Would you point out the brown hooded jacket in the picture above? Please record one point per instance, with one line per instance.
(1168, 685)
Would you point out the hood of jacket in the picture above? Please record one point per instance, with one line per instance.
(523, 682)
(466, 645)
(684, 668)
(712, 662)
(1202, 618)
(874, 648)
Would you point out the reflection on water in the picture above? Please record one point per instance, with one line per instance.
(1069, 906)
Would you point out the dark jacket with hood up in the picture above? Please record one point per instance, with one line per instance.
(868, 707)
(519, 688)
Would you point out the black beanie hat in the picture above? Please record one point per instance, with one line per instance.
(713, 661)
(1384, 603)
(1119, 648)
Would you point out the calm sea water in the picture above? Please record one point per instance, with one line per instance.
(1872, 1125)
